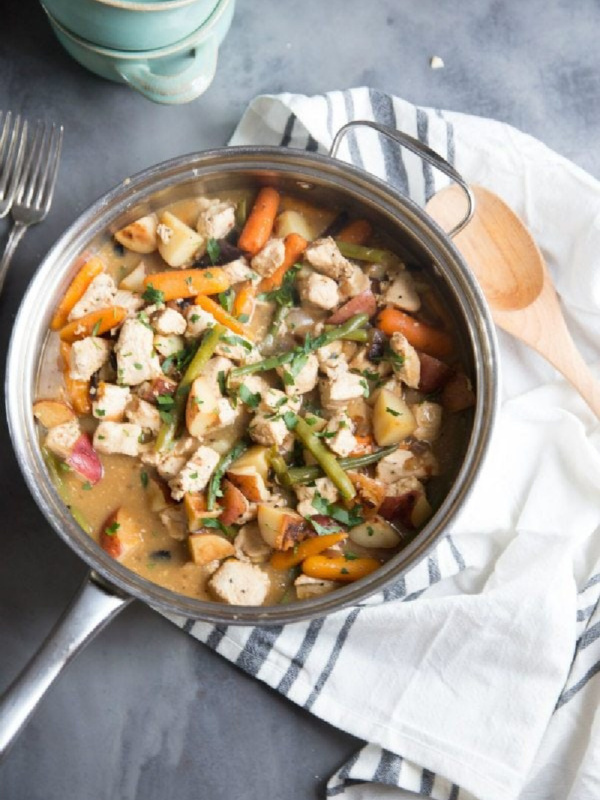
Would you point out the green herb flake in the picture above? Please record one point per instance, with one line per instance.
(226, 299)
(153, 296)
(222, 381)
(244, 318)
(290, 420)
(350, 517)
(194, 317)
(249, 398)
(350, 556)
(144, 479)
(392, 412)
(213, 250)
(344, 571)
(112, 529)
(86, 486)
(96, 328)
(100, 412)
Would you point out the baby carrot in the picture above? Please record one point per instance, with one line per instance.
(222, 316)
(309, 547)
(260, 222)
(93, 324)
(179, 283)
(339, 568)
(78, 392)
(94, 266)
(357, 232)
(294, 245)
(432, 341)
(244, 300)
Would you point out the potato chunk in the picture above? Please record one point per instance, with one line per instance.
(393, 420)
(178, 244)
(139, 236)
(207, 547)
(51, 413)
(281, 528)
(120, 534)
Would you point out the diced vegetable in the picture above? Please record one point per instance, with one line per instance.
(92, 267)
(339, 568)
(85, 461)
(291, 221)
(139, 236)
(195, 510)
(52, 412)
(434, 373)
(457, 394)
(178, 244)
(359, 231)
(207, 547)
(223, 317)
(433, 341)
(256, 458)
(120, 534)
(375, 532)
(187, 282)
(93, 324)
(201, 407)
(371, 254)
(281, 528)
(134, 282)
(410, 510)
(245, 299)
(224, 464)
(393, 420)
(371, 493)
(233, 502)
(259, 225)
(363, 303)
(309, 547)
(250, 484)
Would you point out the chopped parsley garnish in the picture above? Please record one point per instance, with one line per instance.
(152, 295)
(287, 294)
(86, 486)
(144, 479)
(165, 401)
(226, 299)
(166, 416)
(392, 412)
(350, 556)
(96, 328)
(213, 250)
(290, 420)
(189, 280)
(222, 381)
(344, 571)
(249, 398)
(194, 317)
(323, 530)
(233, 339)
(112, 529)
(349, 517)
(100, 412)
(213, 522)
(244, 318)
(137, 365)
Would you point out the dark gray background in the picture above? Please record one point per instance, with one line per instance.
(145, 712)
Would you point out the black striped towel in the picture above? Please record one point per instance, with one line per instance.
(483, 687)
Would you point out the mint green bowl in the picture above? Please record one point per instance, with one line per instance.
(131, 24)
(170, 75)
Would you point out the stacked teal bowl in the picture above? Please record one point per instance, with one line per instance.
(167, 50)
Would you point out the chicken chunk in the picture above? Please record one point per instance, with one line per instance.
(196, 473)
(402, 293)
(339, 434)
(403, 463)
(238, 271)
(345, 386)
(270, 431)
(136, 360)
(168, 345)
(239, 583)
(169, 322)
(118, 437)
(307, 587)
(355, 283)
(99, 294)
(429, 420)
(407, 365)
(128, 300)
(216, 221)
(320, 291)
(275, 401)
(61, 439)
(110, 402)
(170, 463)
(198, 320)
(87, 356)
(306, 495)
(324, 255)
(332, 360)
(250, 546)
(270, 258)
(143, 414)
(304, 381)
(235, 347)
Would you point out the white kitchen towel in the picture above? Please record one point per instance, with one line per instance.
(472, 676)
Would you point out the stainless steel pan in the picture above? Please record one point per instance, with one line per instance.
(109, 586)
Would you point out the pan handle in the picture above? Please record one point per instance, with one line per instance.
(94, 605)
(421, 150)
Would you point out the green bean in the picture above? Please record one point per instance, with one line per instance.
(80, 519)
(372, 254)
(353, 336)
(325, 338)
(226, 461)
(324, 457)
(280, 469)
(300, 475)
(168, 430)
(52, 465)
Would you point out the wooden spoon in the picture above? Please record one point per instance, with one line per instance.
(515, 280)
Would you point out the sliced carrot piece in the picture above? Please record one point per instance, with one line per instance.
(359, 231)
(433, 341)
(78, 392)
(94, 266)
(93, 324)
(179, 283)
(339, 568)
(245, 300)
(309, 547)
(260, 221)
(294, 245)
(222, 316)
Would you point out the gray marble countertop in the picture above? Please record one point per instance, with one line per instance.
(146, 712)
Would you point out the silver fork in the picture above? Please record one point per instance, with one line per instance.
(33, 197)
(13, 139)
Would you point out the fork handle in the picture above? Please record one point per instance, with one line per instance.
(15, 236)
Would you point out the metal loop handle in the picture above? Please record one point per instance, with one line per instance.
(419, 149)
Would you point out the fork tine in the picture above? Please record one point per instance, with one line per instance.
(17, 171)
(33, 167)
(49, 180)
(5, 130)
(9, 162)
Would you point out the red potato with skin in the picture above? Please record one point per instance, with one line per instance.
(363, 303)
(85, 460)
(434, 373)
(234, 503)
